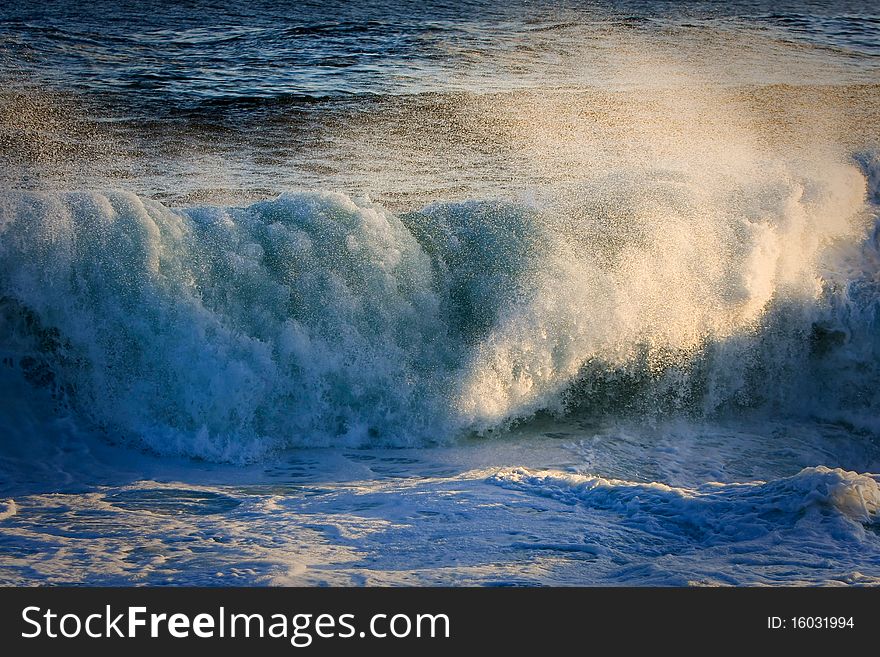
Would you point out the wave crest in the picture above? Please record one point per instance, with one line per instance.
(315, 318)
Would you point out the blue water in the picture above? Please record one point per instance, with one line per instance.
(195, 53)
(422, 293)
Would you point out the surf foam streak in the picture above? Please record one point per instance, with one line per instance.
(8, 509)
(818, 500)
(320, 319)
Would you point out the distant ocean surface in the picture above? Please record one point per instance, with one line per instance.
(460, 293)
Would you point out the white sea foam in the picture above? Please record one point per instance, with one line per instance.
(448, 516)
(716, 512)
(318, 319)
(8, 509)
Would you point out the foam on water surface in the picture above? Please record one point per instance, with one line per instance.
(516, 510)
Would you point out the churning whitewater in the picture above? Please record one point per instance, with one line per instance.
(318, 319)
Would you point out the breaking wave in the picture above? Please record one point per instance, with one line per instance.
(320, 319)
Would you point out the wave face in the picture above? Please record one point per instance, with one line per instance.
(317, 319)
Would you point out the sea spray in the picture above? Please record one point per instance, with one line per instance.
(317, 319)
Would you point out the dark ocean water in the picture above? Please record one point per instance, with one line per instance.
(197, 52)
(214, 102)
(187, 54)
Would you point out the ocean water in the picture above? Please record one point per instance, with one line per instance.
(460, 293)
